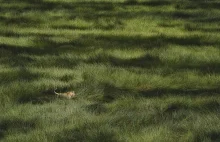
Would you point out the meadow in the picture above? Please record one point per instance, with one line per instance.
(143, 71)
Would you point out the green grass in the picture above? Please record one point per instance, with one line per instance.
(142, 70)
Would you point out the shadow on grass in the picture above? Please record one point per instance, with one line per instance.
(192, 27)
(197, 4)
(215, 19)
(44, 46)
(213, 30)
(110, 5)
(207, 106)
(204, 68)
(174, 107)
(213, 136)
(71, 27)
(180, 92)
(142, 62)
(149, 61)
(20, 21)
(152, 41)
(22, 74)
(89, 132)
(152, 3)
(113, 92)
(93, 11)
(16, 126)
(210, 106)
(96, 108)
(38, 99)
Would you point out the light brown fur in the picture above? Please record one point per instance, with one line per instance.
(67, 95)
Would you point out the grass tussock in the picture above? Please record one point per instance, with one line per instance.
(142, 70)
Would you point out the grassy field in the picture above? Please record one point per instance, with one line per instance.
(143, 71)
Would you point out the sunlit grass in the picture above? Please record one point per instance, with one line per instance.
(142, 70)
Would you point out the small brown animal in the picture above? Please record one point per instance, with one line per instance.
(67, 95)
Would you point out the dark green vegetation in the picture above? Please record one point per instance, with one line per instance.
(142, 70)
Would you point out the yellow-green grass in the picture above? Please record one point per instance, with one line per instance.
(142, 70)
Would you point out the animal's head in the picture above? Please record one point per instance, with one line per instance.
(71, 94)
